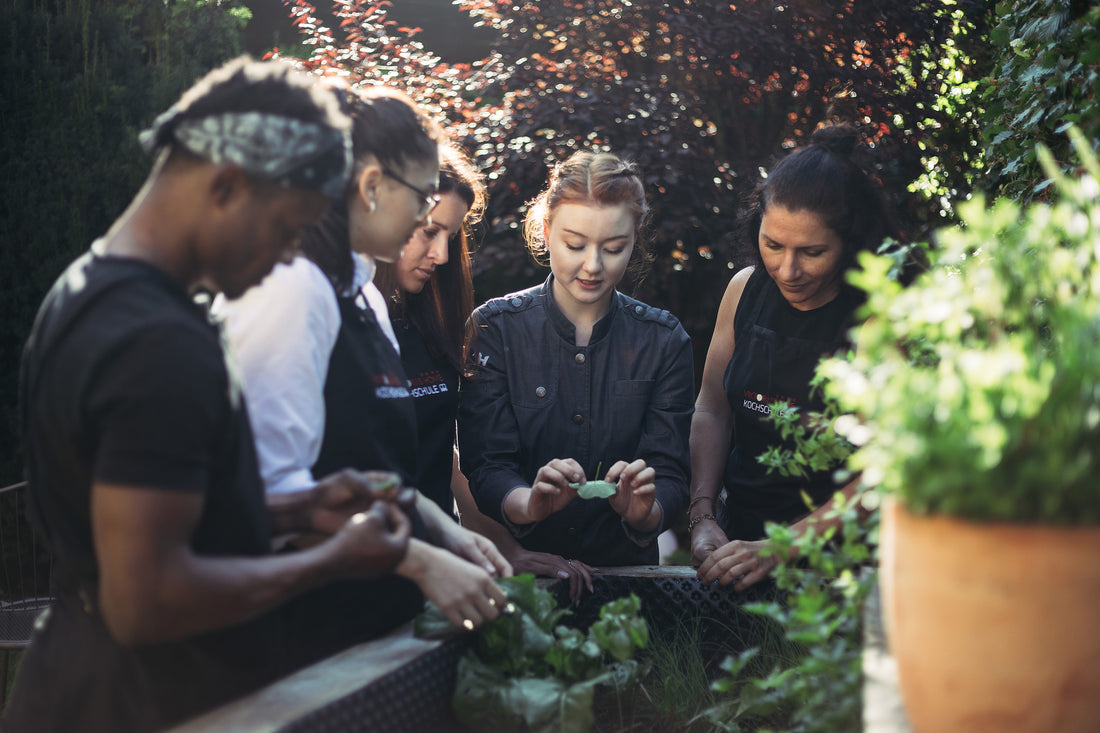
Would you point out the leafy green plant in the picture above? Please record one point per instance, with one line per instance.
(528, 672)
(979, 384)
(817, 445)
(814, 686)
(682, 660)
(1047, 76)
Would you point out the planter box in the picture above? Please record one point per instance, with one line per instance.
(401, 684)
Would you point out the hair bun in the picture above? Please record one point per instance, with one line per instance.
(839, 139)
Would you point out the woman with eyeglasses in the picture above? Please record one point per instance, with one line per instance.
(326, 388)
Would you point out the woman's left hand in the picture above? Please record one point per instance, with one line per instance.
(547, 565)
(475, 548)
(738, 562)
(635, 493)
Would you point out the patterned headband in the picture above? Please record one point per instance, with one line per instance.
(275, 148)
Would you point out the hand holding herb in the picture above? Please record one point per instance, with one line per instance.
(549, 492)
(594, 489)
(635, 494)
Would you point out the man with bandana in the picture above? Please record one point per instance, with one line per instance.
(142, 473)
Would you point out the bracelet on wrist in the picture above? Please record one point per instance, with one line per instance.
(698, 499)
(695, 520)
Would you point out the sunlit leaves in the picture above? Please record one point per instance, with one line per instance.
(981, 382)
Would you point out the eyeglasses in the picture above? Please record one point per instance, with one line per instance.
(429, 198)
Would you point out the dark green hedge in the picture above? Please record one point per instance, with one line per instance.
(78, 80)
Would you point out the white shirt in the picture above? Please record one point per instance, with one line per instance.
(281, 334)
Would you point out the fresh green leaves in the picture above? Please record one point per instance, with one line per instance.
(595, 489)
(1047, 76)
(527, 672)
(814, 687)
(979, 384)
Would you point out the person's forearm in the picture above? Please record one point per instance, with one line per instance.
(416, 564)
(193, 594)
(497, 533)
(290, 511)
(515, 506)
(472, 518)
(710, 446)
(436, 521)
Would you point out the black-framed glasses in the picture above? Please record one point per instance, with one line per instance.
(428, 198)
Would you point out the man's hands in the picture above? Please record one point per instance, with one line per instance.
(374, 541)
(339, 496)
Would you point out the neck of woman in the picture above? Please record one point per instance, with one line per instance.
(583, 316)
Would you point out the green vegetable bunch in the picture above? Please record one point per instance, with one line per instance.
(978, 386)
(529, 673)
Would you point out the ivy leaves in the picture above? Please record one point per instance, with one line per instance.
(1047, 78)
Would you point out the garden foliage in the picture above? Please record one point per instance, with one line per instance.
(527, 672)
(701, 95)
(979, 384)
(1047, 77)
(78, 80)
(820, 608)
(816, 685)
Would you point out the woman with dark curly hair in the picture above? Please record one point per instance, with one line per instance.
(807, 222)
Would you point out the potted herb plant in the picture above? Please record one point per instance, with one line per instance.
(979, 389)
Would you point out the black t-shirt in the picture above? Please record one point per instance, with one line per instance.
(125, 381)
(434, 388)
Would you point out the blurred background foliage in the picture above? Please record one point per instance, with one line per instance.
(79, 79)
(702, 95)
(951, 97)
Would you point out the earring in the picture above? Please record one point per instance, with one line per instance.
(371, 206)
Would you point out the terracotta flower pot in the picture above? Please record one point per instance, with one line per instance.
(995, 627)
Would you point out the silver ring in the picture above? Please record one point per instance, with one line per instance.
(493, 602)
(468, 624)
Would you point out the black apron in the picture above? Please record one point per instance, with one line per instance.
(777, 349)
(370, 420)
(434, 387)
(370, 423)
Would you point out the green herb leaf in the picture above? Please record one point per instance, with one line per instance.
(594, 489)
